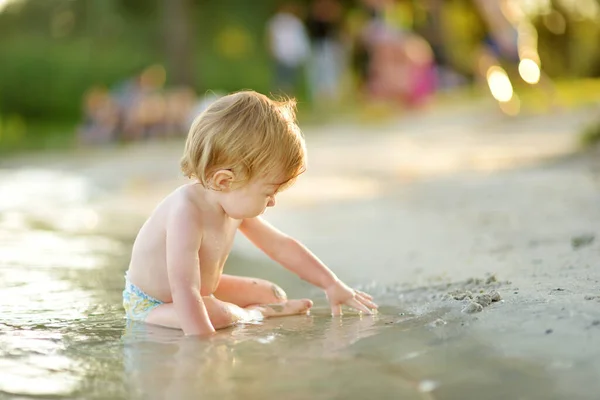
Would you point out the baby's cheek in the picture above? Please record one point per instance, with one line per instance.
(255, 209)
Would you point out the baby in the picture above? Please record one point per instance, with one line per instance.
(240, 152)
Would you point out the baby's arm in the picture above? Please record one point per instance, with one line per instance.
(288, 252)
(297, 258)
(183, 242)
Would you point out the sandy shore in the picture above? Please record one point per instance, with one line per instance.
(429, 213)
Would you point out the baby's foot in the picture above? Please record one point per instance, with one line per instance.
(289, 307)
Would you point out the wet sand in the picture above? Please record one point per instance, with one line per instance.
(478, 235)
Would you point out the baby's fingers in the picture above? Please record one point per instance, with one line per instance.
(336, 310)
(363, 294)
(357, 305)
(367, 302)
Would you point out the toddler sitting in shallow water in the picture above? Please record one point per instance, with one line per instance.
(240, 152)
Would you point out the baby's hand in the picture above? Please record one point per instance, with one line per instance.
(339, 293)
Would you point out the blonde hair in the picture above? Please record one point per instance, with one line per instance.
(249, 134)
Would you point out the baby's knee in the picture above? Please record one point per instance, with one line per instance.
(278, 293)
(223, 319)
(222, 314)
(266, 292)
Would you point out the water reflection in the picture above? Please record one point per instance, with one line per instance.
(58, 280)
(301, 355)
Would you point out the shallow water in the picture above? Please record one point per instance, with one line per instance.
(62, 332)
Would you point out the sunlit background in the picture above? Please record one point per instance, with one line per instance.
(78, 72)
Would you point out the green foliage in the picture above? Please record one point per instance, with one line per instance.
(230, 47)
(18, 134)
(53, 51)
(591, 134)
(47, 82)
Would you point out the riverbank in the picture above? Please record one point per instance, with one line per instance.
(427, 213)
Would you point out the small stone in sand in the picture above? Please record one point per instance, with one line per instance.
(491, 279)
(438, 322)
(590, 297)
(549, 331)
(484, 299)
(461, 294)
(596, 322)
(495, 296)
(472, 308)
(582, 240)
(474, 281)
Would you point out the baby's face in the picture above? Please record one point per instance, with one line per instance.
(250, 200)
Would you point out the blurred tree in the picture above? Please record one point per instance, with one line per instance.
(430, 25)
(176, 16)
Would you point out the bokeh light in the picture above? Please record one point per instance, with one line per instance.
(499, 84)
(555, 22)
(4, 4)
(511, 107)
(529, 71)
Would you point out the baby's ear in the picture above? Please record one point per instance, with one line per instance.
(222, 180)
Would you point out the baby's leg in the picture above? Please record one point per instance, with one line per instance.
(224, 314)
(244, 291)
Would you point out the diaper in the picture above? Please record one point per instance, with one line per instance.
(137, 304)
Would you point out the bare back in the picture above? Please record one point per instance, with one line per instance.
(148, 266)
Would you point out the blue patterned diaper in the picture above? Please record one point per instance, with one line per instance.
(137, 304)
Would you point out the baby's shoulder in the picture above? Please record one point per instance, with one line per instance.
(183, 202)
(182, 213)
(179, 199)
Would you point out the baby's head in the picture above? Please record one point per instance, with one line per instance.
(246, 146)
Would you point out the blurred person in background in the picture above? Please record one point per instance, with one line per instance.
(179, 103)
(400, 62)
(138, 108)
(141, 106)
(432, 25)
(359, 54)
(288, 46)
(100, 117)
(326, 63)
